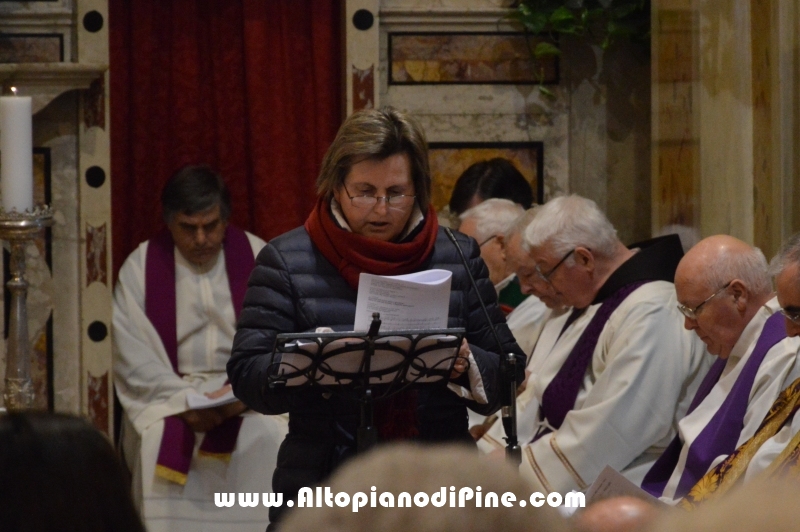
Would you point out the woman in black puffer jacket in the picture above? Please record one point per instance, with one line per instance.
(373, 216)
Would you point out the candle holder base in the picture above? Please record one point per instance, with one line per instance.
(18, 394)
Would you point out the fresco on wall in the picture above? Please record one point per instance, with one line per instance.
(448, 161)
(467, 58)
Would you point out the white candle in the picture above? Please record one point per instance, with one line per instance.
(16, 153)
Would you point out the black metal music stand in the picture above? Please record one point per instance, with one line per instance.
(366, 366)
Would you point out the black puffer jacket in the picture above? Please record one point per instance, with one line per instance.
(293, 288)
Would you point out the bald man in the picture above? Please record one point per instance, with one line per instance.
(724, 292)
(775, 448)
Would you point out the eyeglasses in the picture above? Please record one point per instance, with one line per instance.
(397, 201)
(792, 314)
(691, 313)
(546, 276)
(487, 241)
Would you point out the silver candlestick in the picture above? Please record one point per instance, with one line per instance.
(19, 229)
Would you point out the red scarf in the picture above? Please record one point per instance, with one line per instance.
(352, 254)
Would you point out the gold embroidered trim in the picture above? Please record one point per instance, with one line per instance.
(225, 457)
(170, 474)
(493, 441)
(536, 469)
(581, 484)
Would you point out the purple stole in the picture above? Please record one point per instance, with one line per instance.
(177, 442)
(720, 435)
(559, 396)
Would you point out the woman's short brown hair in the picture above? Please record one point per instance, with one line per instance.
(377, 134)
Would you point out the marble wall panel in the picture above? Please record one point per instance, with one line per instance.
(443, 5)
(467, 58)
(94, 104)
(55, 127)
(41, 367)
(595, 129)
(361, 54)
(31, 48)
(96, 259)
(363, 88)
(449, 160)
(98, 394)
(676, 140)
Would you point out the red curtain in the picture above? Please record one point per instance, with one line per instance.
(250, 87)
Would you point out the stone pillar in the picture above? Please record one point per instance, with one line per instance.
(725, 121)
(361, 57)
(94, 230)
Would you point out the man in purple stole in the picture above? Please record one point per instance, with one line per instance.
(774, 450)
(725, 294)
(626, 369)
(175, 308)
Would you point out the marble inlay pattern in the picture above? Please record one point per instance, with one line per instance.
(467, 58)
(31, 48)
(98, 401)
(363, 88)
(94, 106)
(448, 162)
(39, 369)
(96, 238)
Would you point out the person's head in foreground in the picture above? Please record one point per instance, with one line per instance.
(196, 206)
(761, 506)
(785, 268)
(59, 473)
(488, 223)
(377, 171)
(721, 283)
(416, 469)
(574, 249)
(617, 514)
(494, 178)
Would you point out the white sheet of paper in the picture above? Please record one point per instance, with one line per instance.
(415, 301)
(196, 401)
(610, 483)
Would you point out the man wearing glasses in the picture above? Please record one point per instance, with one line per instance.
(775, 447)
(497, 225)
(491, 223)
(725, 294)
(624, 369)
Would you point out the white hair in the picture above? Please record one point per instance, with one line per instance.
(521, 223)
(493, 217)
(567, 222)
(749, 266)
(788, 255)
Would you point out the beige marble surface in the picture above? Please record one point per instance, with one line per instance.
(592, 145)
(726, 124)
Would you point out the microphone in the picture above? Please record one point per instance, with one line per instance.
(508, 363)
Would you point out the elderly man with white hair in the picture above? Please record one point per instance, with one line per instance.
(497, 224)
(492, 224)
(773, 449)
(725, 295)
(629, 368)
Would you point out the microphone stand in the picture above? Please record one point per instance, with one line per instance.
(507, 378)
